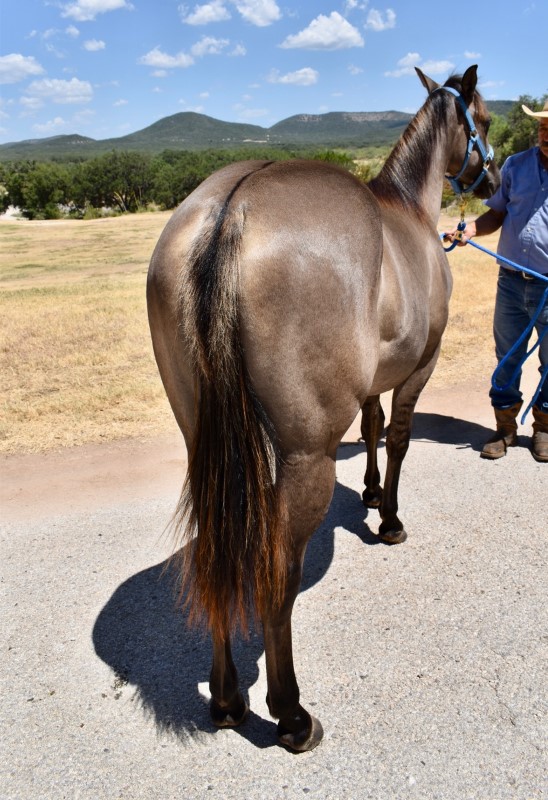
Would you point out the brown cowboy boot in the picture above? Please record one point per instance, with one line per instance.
(506, 433)
(540, 435)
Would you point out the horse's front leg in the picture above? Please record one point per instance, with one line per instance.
(228, 708)
(372, 426)
(404, 401)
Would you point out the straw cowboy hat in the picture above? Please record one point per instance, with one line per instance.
(543, 113)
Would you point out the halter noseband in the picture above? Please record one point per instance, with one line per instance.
(474, 140)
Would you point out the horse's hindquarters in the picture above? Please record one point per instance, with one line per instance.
(309, 277)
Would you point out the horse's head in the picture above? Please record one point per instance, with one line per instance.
(471, 166)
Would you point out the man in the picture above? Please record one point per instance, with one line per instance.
(520, 208)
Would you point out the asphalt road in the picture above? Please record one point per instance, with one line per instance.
(426, 662)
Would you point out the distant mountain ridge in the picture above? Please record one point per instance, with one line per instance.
(188, 130)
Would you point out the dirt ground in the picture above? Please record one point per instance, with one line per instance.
(91, 477)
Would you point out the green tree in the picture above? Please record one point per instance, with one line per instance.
(518, 132)
(121, 179)
(38, 188)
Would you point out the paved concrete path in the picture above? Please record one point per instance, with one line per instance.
(426, 662)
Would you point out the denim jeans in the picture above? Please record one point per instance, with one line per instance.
(517, 300)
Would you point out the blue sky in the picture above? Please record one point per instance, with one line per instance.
(105, 68)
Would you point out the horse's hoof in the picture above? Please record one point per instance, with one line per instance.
(371, 498)
(229, 717)
(393, 537)
(302, 741)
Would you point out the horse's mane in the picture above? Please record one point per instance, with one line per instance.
(403, 175)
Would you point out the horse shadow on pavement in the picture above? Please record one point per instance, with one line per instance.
(146, 639)
(147, 642)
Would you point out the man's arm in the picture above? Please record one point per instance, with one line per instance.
(487, 223)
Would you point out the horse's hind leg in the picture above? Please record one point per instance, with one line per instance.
(308, 488)
(228, 708)
(372, 426)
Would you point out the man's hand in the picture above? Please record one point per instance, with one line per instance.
(462, 237)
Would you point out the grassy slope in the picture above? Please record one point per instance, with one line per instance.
(75, 355)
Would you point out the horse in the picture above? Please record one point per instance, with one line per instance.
(283, 298)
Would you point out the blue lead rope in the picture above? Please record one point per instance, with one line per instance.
(526, 333)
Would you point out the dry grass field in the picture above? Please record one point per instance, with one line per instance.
(76, 362)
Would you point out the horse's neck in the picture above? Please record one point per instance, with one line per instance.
(412, 177)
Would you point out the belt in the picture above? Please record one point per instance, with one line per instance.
(517, 273)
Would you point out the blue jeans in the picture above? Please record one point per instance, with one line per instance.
(517, 300)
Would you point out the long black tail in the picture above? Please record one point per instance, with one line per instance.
(230, 508)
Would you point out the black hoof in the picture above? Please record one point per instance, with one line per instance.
(371, 498)
(229, 717)
(393, 537)
(301, 741)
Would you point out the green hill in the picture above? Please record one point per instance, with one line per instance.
(190, 131)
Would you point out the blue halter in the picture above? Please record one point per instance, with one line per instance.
(474, 140)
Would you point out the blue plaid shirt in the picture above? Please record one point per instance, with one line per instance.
(523, 195)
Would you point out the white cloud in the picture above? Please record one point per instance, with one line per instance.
(72, 31)
(326, 33)
(215, 11)
(209, 46)
(407, 64)
(195, 109)
(239, 50)
(156, 58)
(376, 22)
(15, 67)
(352, 4)
(437, 67)
(31, 104)
(55, 51)
(58, 91)
(251, 113)
(470, 55)
(491, 85)
(354, 70)
(302, 77)
(160, 73)
(259, 12)
(87, 10)
(119, 103)
(50, 127)
(94, 45)
(83, 117)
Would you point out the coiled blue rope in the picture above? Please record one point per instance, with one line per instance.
(526, 333)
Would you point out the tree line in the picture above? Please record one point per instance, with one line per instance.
(125, 181)
(119, 181)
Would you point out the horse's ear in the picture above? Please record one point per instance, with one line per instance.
(469, 82)
(427, 82)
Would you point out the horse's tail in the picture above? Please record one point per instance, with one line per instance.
(234, 564)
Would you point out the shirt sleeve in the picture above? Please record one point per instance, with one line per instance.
(499, 201)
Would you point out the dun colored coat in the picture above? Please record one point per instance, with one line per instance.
(283, 298)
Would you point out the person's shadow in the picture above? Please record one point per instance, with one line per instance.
(146, 640)
(444, 430)
(451, 430)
